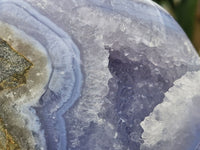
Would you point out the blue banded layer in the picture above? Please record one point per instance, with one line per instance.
(63, 88)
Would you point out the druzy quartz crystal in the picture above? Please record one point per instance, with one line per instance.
(96, 75)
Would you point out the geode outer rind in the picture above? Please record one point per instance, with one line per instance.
(13, 67)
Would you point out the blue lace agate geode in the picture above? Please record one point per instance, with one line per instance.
(106, 75)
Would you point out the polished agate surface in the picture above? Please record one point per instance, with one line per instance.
(96, 75)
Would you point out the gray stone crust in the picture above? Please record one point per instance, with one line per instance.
(13, 66)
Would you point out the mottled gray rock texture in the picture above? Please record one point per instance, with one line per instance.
(13, 67)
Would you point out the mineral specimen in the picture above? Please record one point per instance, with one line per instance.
(107, 75)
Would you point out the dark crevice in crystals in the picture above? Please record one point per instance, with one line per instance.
(136, 87)
(135, 90)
